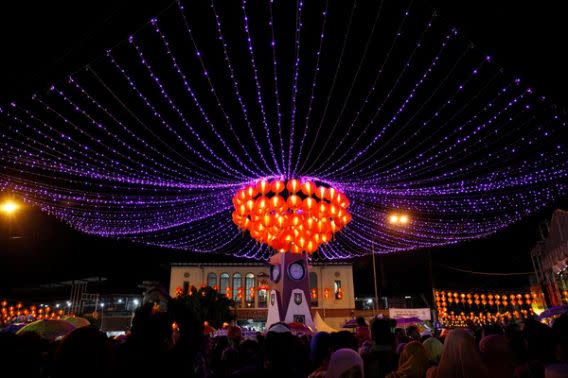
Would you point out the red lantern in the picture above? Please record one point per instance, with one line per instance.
(263, 186)
(308, 188)
(251, 191)
(314, 293)
(277, 186)
(293, 186)
(289, 223)
(320, 192)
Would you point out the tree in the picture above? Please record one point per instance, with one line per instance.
(200, 305)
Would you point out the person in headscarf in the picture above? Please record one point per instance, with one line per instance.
(497, 355)
(412, 363)
(320, 350)
(460, 358)
(540, 349)
(362, 332)
(400, 347)
(556, 371)
(434, 349)
(381, 359)
(345, 363)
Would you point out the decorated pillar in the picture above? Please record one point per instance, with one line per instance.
(289, 293)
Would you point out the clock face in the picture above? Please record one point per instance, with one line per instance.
(297, 271)
(275, 273)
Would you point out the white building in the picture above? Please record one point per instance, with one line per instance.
(331, 288)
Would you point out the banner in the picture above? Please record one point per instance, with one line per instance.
(420, 313)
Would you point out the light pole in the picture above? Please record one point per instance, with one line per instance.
(376, 299)
(397, 220)
(9, 207)
(102, 314)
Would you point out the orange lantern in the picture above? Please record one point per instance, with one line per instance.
(293, 186)
(251, 191)
(301, 219)
(263, 186)
(277, 186)
(308, 188)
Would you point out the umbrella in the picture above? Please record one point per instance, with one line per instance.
(12, 328)
(298, 328)
(78, 322)
(553, 311)
(405, 322)
(48, 329)
(352, 323)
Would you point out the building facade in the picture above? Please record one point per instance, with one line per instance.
(550, 260)
(332, 294)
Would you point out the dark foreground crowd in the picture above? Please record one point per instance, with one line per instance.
(153, 349)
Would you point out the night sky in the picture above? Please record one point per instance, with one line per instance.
(43, 43)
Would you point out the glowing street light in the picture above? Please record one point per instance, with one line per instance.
(9, 207)
(398, 219)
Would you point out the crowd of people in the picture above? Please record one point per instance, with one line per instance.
(154, 348)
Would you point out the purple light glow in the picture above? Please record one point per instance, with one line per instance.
(150, 143)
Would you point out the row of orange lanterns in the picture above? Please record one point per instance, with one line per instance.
(300, 220)
(252, 290)
(442, 299)
(228, 289)
(487, 314)
(448, 319)
(484, 302)
(444, 294)
(326, 293)
(9, 313)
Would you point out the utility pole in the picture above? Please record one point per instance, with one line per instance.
(376, 299)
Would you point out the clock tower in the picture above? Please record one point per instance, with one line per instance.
(289, 294)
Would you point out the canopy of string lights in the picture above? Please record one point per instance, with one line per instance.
(382, 101)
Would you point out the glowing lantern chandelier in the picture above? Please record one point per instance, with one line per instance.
(291, 216)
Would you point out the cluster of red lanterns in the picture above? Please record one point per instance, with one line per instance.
(291, 216)
(443, 299)
(228, 291)
(11, 313)
(464, 319)
(491, 307)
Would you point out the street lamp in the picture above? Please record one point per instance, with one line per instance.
(395, 219)
(9, 207)
(398, 219)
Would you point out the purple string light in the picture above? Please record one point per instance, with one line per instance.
(148, 146)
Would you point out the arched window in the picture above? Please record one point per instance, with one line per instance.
(314, 294)
(263, 289)
(249, 289)
(237, 288)
(224, 283)
(211, 279)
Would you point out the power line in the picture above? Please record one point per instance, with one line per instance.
(484, 273)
